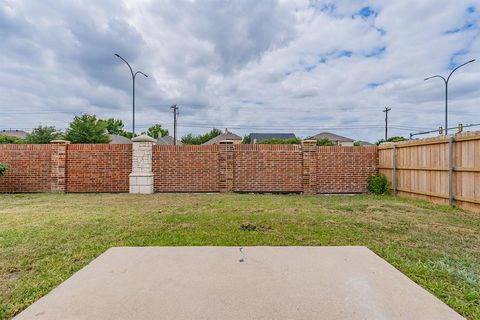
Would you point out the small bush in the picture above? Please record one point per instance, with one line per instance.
(3, 168)
(377, 184)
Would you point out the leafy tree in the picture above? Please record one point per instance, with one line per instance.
(156, 131)
(281, 141)
(246, 139)
(114, 126)
(201, 138)
(3, 169)
(87, 129)
(391, 139)
(325, 142)
(10, 140)
(42, 135)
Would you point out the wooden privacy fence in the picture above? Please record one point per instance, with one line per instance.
(444, 169)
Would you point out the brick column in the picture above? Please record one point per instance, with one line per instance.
(58, 165)
(141, 178)
(309, 166)
(226, 166)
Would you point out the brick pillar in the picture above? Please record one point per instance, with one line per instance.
(58, 165)
(309, 166)
(226, 166)
(141, 178)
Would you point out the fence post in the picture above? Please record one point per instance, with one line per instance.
(309, 166)
(58, 165)
(394, 170)
(225, 179)
(450, 171)
(141, 178)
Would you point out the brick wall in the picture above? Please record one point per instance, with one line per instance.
(267, 168)
(98, 167)
(186, 168)
(345, 169)
(28, 167)
(306, 168)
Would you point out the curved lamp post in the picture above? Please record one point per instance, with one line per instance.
(133, 80)
(446, 90)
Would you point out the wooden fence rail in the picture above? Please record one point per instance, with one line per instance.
(443, 169)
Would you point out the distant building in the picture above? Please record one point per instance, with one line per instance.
(167, 140)
(335, 138)
(118, 139)
(14, 133)
(227, 135)
(365, 143)
(257, 137)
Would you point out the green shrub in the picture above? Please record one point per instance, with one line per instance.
(377, 184)
(3, 168)
(10, 140)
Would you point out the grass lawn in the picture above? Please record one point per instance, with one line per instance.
(45, 238)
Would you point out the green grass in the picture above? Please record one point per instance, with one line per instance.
(45, 238)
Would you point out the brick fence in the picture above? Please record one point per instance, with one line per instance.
(306, 168)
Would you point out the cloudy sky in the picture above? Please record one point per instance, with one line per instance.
(248, 65)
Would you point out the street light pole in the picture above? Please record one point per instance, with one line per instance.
(134, 75)
(446, 90)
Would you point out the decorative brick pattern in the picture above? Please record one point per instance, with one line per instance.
(303, 168)
(226, 163)
(58, 165)
(186, 168)
(29, 167)
(98, 167)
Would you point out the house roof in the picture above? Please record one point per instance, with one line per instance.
(118, 139)
(332, 137)
(14, 133)
(227, 135)
(167, 140)
(266, 136)
(365, 143)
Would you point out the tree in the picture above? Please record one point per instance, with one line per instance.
(281, 141)
(156, 131)
(42, 135)
(10, 140)
(391, 139)
(325, 142)
(87, 129)
(201, 138)
(3, 169)
(114, 126)
(246, 139)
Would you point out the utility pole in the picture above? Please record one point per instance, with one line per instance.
(175, 113)
(386, 121)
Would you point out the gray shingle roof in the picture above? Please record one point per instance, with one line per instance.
(118, 139)
(332, 137)
(227, 135)
(255, 137)
(167, 140)
(14, 133)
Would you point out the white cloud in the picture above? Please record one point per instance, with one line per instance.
(300, 66)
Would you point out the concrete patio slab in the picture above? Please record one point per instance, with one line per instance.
(224, 283)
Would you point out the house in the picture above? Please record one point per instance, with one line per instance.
(257, 137)
(14, 133)
(227, 135)
(118, 139)
(335, 138)
(167, 140)
(365, 143)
